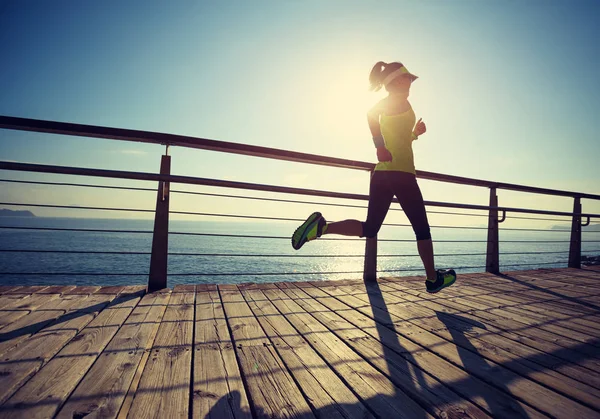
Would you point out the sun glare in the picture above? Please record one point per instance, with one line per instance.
(345, 100)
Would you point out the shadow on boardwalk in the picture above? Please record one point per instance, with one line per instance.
(416, 384)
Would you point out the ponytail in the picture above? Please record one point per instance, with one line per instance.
(375, 78)
(380, 71)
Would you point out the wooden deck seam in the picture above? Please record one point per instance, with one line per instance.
(192, 361)
(133, 386)
(237, 357)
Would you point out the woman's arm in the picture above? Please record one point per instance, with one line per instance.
(373, 118)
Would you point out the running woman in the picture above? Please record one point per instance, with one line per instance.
(391, 122)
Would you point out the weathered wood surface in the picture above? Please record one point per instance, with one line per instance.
(521, 344)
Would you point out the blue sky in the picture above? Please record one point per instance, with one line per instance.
(509, 90)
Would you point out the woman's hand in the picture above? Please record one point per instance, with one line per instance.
(420, 128)
(383, 154)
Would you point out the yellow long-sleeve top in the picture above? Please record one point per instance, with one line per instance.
(397, 134)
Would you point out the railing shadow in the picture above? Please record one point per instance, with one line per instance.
(69, 315)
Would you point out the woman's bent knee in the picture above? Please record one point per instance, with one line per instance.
(424, 234)
(369, 231)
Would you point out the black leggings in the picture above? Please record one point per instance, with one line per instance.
(386, 184)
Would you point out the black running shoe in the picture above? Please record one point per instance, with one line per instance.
(445, 278)
(309, 230)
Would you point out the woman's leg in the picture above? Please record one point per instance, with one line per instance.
(425, 248)
(345, 228)
(411, 200)
(380, 198)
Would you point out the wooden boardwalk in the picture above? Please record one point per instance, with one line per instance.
(522, 344)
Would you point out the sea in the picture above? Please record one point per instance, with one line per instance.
(117, 252)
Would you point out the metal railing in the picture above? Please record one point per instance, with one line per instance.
(159, 254)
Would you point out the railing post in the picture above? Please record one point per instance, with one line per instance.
(575, 246)
(492, 263)
(370, 267)
(160, 238)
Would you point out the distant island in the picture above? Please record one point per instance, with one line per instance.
(11, 213)
(592, 227)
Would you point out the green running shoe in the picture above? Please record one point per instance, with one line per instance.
(445, 278)
(309, 230)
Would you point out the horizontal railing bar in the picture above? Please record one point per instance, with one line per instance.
(539, 263)
(76, 207)
(4, 165)
(272, 237)
(94, 252)
(81, 130)
(64, 128)
(538, 219)
(235, 196)
(72, 273)
(86, 185)
(260, 217)
(91, 230)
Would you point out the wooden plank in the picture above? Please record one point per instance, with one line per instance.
(543, 322)
(469, 358)
(27, 289)
(524, 355)
(563, 355)
(492, 400)
(47, 390)
(575, 351)
(326, 392)
(164, 388)
(5, 289)
(272, 390)
(584, 321)
(218, 390)
(184, 288)
(22, 361)
(21, 329)
(372, 387)
(113, 289)
(532, 337)
(82, 290)
(529, 362)
(102, 390)
(11, 312)
(56, 289)
(10, 299)
(385, 357)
